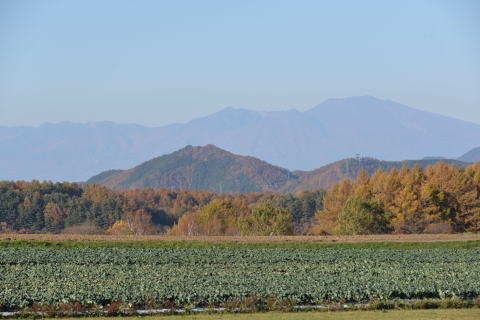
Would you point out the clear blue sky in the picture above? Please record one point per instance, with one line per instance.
(158, 62)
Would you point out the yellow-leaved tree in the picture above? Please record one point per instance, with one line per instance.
(119, 228)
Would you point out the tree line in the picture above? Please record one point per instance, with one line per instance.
(46, 207)
(441, 198)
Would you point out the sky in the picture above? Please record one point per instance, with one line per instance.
(159, 62)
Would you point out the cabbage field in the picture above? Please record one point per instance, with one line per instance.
(206, 277)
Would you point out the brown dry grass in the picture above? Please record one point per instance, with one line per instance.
(368, 238)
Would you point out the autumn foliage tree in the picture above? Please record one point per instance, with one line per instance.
(139, 222)
(267, 220)
(227, 217)
(120, 228)
(360, 216)
(219, 217)
(333, 203)
(440, 198)
(54, 216)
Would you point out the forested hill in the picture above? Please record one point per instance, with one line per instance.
(213, 169)
(325, 177)
(199, 168)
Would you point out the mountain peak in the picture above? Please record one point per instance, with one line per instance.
(200, 152)
(232, 110)
(199, 167)
(353, 102)
(364, 98)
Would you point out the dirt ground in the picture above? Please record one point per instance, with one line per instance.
(367, 238)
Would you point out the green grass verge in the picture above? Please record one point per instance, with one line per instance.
(465, 314)
(470, 244)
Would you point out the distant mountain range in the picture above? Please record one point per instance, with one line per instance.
(214, 169)
(335, 129)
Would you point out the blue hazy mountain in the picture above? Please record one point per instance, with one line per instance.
(471, 156)
(333, 130)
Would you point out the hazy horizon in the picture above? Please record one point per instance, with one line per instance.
(220, 110)
(156, 62)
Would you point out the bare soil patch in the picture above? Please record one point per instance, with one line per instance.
(256, 239)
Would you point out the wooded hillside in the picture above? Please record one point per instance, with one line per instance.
(217, 170)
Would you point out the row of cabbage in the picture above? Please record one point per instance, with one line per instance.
(212, 276)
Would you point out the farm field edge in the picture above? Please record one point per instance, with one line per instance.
(400, 314)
